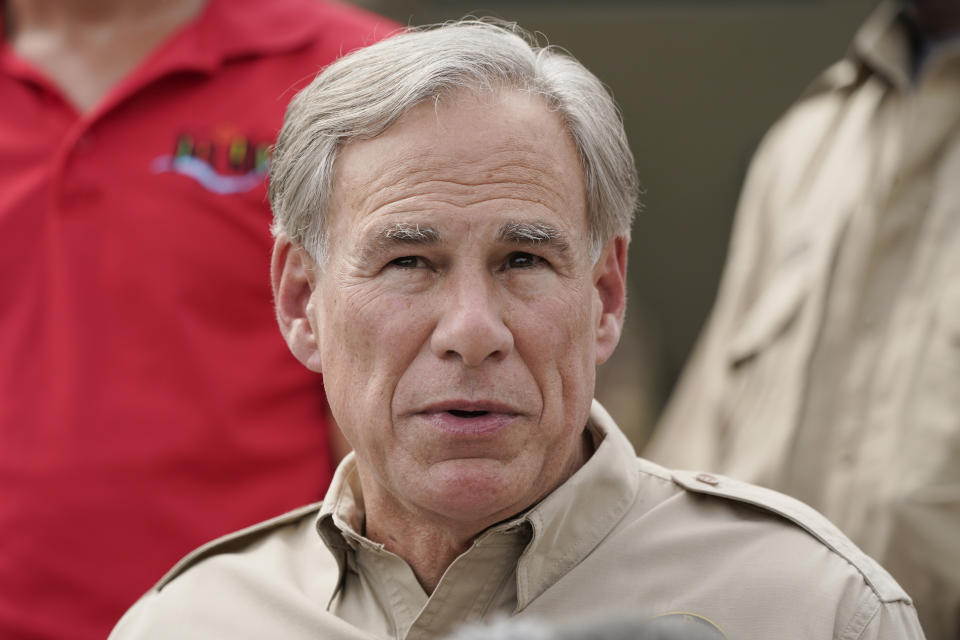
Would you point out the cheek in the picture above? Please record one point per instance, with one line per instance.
(377, 336)
(565, 320)
(555, 336)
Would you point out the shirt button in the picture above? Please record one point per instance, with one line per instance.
(706, 478)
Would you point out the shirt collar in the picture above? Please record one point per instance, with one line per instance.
(341, 518)
(223, 31)
(891, 46)
(570, 522)
(228, 29)
(566, 525)
(883, 45)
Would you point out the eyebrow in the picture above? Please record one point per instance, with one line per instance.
(517, 233)
(534, 233)
(401, 233)
(406, 233)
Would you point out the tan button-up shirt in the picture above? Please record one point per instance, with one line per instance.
(830, 367)
(620, 534)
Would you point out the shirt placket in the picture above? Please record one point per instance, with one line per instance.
(931, 126)
(476, 584)
(824, 463)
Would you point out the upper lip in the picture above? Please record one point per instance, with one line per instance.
(490, 406)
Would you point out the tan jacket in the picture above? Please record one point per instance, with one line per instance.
(621, 533)
(830, 367)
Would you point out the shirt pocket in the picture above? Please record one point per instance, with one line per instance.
(923, 551)
(930, 431)
(772, 314)
(763, 375)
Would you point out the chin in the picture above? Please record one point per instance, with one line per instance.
(478, 490)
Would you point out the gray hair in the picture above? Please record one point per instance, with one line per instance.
(360, 95)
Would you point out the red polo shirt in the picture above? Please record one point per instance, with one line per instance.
(147, 400)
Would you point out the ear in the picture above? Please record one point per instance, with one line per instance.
(610, 282)
(293, 275)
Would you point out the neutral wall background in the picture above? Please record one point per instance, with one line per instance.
(698, 82)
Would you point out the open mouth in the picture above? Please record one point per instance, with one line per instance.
(467, 414)
(470, 419)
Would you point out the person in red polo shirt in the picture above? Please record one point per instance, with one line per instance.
(147, 403)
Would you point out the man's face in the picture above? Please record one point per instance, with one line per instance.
(459, 318)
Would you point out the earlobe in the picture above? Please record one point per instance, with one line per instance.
(610, 281)
(293, 277)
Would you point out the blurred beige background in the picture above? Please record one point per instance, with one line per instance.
(698, 82)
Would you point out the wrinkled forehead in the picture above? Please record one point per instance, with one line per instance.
(464, 146)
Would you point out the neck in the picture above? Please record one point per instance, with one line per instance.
(29, 15)
(430, 542)
(429, 550)
(86, 46)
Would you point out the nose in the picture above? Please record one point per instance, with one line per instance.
(471, 325)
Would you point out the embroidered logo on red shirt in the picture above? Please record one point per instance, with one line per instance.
(225, 162)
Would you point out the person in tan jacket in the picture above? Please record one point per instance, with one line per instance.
(452, 212)
(830, 366)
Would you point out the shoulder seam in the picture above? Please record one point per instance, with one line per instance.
(644, 468)
(800, 515)
(211, 548)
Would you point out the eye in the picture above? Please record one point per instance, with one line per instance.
(407, 262)
(523, 260)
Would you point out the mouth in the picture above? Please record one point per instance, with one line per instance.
(470, 419)
(460, 413)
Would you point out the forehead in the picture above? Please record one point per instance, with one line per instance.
(463, 152)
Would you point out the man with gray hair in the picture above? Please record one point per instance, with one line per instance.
(453, 210)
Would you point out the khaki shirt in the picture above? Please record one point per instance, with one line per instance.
(621, 534)
(830, 366)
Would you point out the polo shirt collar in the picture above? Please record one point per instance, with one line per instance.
(229, 29)
(224, 30)
(564, 527)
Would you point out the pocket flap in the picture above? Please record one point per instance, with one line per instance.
(770, 314)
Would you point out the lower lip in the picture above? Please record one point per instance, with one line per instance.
(484, 425)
